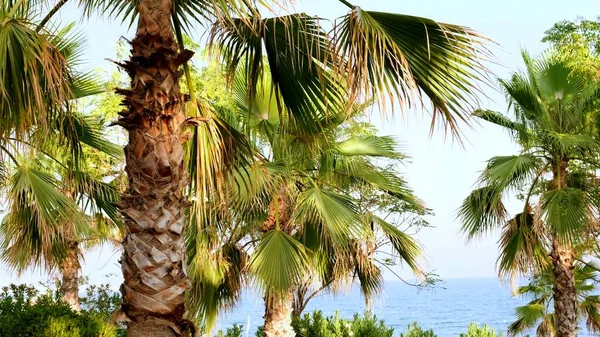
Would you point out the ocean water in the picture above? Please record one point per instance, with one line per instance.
(448, 310)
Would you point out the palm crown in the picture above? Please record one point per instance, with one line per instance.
(552, 108)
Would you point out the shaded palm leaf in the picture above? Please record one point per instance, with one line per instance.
(566, 212)
(297, 51)
(482, 211)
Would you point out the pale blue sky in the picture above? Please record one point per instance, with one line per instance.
(441, 172)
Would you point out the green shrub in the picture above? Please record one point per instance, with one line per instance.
(26, 313)
(317, 325)
(475, 330)
(414, 330)
(234, 331)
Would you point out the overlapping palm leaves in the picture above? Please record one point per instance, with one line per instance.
(551, 106)
(50, 202)
(537, 313)
(52, 189)
(382, 55)
(293, 215)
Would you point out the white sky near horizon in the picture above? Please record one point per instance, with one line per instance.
(441, 172)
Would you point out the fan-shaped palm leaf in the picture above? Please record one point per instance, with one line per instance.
(393, 54)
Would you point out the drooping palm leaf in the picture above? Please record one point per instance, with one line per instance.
(38, 215)
(412, 58)
(34, 76)
(482, 211)
(403, 244)
(297, 51)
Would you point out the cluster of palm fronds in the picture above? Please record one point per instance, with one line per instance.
(284, 191)
(555, 175)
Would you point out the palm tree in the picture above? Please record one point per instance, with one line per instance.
(379, 54)
(54, 207)
(538, 312)
(551, 105)
(40, 136)
(301, 208)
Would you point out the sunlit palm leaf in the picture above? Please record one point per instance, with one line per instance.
(279, 262)
(38, 215)
(403, 244)
(369, 146)
(528, 317)
(34, 76)
(336, 213)
(408, 56)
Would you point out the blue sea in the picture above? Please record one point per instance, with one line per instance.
(447, 309)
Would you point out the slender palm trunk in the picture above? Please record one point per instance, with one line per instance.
(278, 316)
(69, 270)
(565, 295)
(563, 258)
(153, 261)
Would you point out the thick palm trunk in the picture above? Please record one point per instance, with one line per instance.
(69, 269)
(565, 295)
(278, 317)
(153, 261)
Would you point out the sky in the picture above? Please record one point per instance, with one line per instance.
(441, 171)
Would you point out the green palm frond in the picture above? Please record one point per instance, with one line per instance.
(37, 216)
(411, 57)
(523, 246)
(573, 144)
(566, 212)
(482, 211)
(336, 213)
(34, 76)
(510, 172)
(527, 317)
(96, 196)
(217, 283)
(589, 307)
(216, 151)
(297, 51)
(76, 131)
(519, 131)
(279, 262)
(374, 146)
(403, 244)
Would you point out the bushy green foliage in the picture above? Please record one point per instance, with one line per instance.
(414, 330)
(234, 331)
(24, 312)
(476, 330)
(317, 325)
